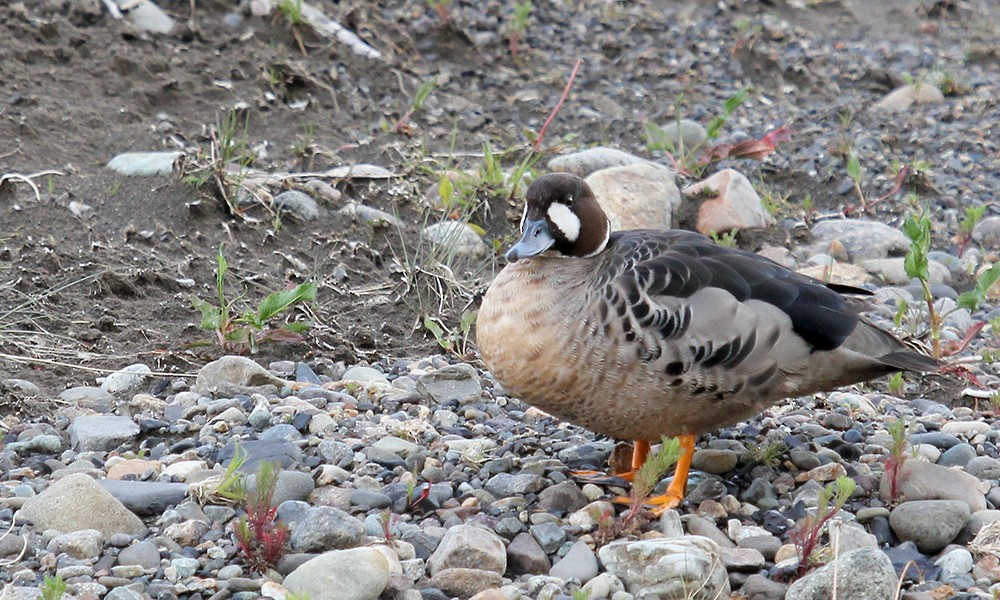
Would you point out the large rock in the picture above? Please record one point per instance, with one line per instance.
(726, 202)
(77, 502)
(588, 161)
(639, 196)
(921, 480)
(930, 524)
(469, 547)
(101, 432)
(231, 375)
(688, 567)
(864, 574)
(452, 383)
(146, 498)
(356, 574)
(327, 528)
(863, 239)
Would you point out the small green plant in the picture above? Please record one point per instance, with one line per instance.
(897, 456)
(292, 10)
(995, 326)
(417, 104)
(768, 453)
(517, 26)
(229, 158)
(808, 532)
(973, 214)
(726, 240)
(896, 383)
(53, 588)
(650, 473)
(918, 229)
(248, 327)
(455, 341)
(854, 172)
(260, 538)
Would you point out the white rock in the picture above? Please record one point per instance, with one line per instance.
(639, 196)
(893, 271)
(456, 236)
(904, 97)
(144, 164)
(469, 547)
(588, 161)
(864, 574)
(355, 574)
(689, 567)
(124, 382)
(863, 239)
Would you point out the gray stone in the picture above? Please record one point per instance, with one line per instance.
(327, 528)
(356, 574)
(742, 560)
(285, 454)
(930, 524)
(147, 16)
(232, 375)
(37, 444)
(580, 563)
(87, 397)
(298, 204)
(983, 467)
(585, 162)
(863, 239)
(689, 567)
(364, 375)
(125, 382)
(562, 498)
(921, 480)
(714, 461)
(395, 445)
(187, 533)
(987, 232)
(549, 535)
(101, 432)
(146, 498)
(455, 382)
(525, 556)
(22, 387)
(457, 237)
(143, 554)
(82, 544)
(77, 502)
(759, 587)
(955, 563)
(144, 164)
(905, 97)
(367, 214)
(893, 271)
(684, 134)
(640, 196)
(957, 456)
(465, 583)
(469, 547)
(291, 485)
(505, 485)
(864, 574)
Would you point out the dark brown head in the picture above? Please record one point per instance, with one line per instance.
(561, 214)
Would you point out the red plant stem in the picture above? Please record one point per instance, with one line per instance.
(555, 111)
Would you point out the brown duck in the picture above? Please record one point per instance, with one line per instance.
(646, 333)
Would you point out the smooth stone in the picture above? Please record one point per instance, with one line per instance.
(469, 547)
(458, 382)
(639, 196)
(101, 432)
(955, 563)
(892, 271)
(865, 574)
(145, 498)
(905, 97)
(125, 382)
(732, 203)
(370, 215)
(562, 497)
(987, 232)
(364, 375)
(298, 204)
(77, 502)
(525, 556)
(232, 375)
(465, 582)
(505, 485)
(684, 133)
(714, 461)
(548, 535)
(689, 567)
(863, 239)
(579, 563)
(742, 560)
(930, 524)
(285, 454)
(38, 444)
(983, 467)
(82, 544)
(921, 480)
(147, 16)
(291, 485)
(142, 554)
(396, 445)
(144, 164)
(356, 574)
(88, 397)
(759, 587)
(456, 236)
(585, 162)
(327, 528)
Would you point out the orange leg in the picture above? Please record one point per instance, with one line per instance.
(675, 493)
(640, 451)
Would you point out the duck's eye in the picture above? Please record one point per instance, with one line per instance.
(568, 201)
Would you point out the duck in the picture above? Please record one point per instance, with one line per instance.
(645, 334)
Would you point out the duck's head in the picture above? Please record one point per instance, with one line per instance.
(561, 214)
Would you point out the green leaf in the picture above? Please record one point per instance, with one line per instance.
(211, 315)
(468, 318)
(854, 167)
(733, 102)
(279, 302)
(446, 189)
(915, 264)
(968, 301)
(437, 331)
(297, 327)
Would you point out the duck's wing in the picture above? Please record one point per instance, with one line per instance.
(727, 323)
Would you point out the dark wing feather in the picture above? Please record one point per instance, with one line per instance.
(679, 263)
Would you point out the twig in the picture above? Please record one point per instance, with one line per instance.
(28, 179)
(328, 27)
(555, 111)
(24, 548)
